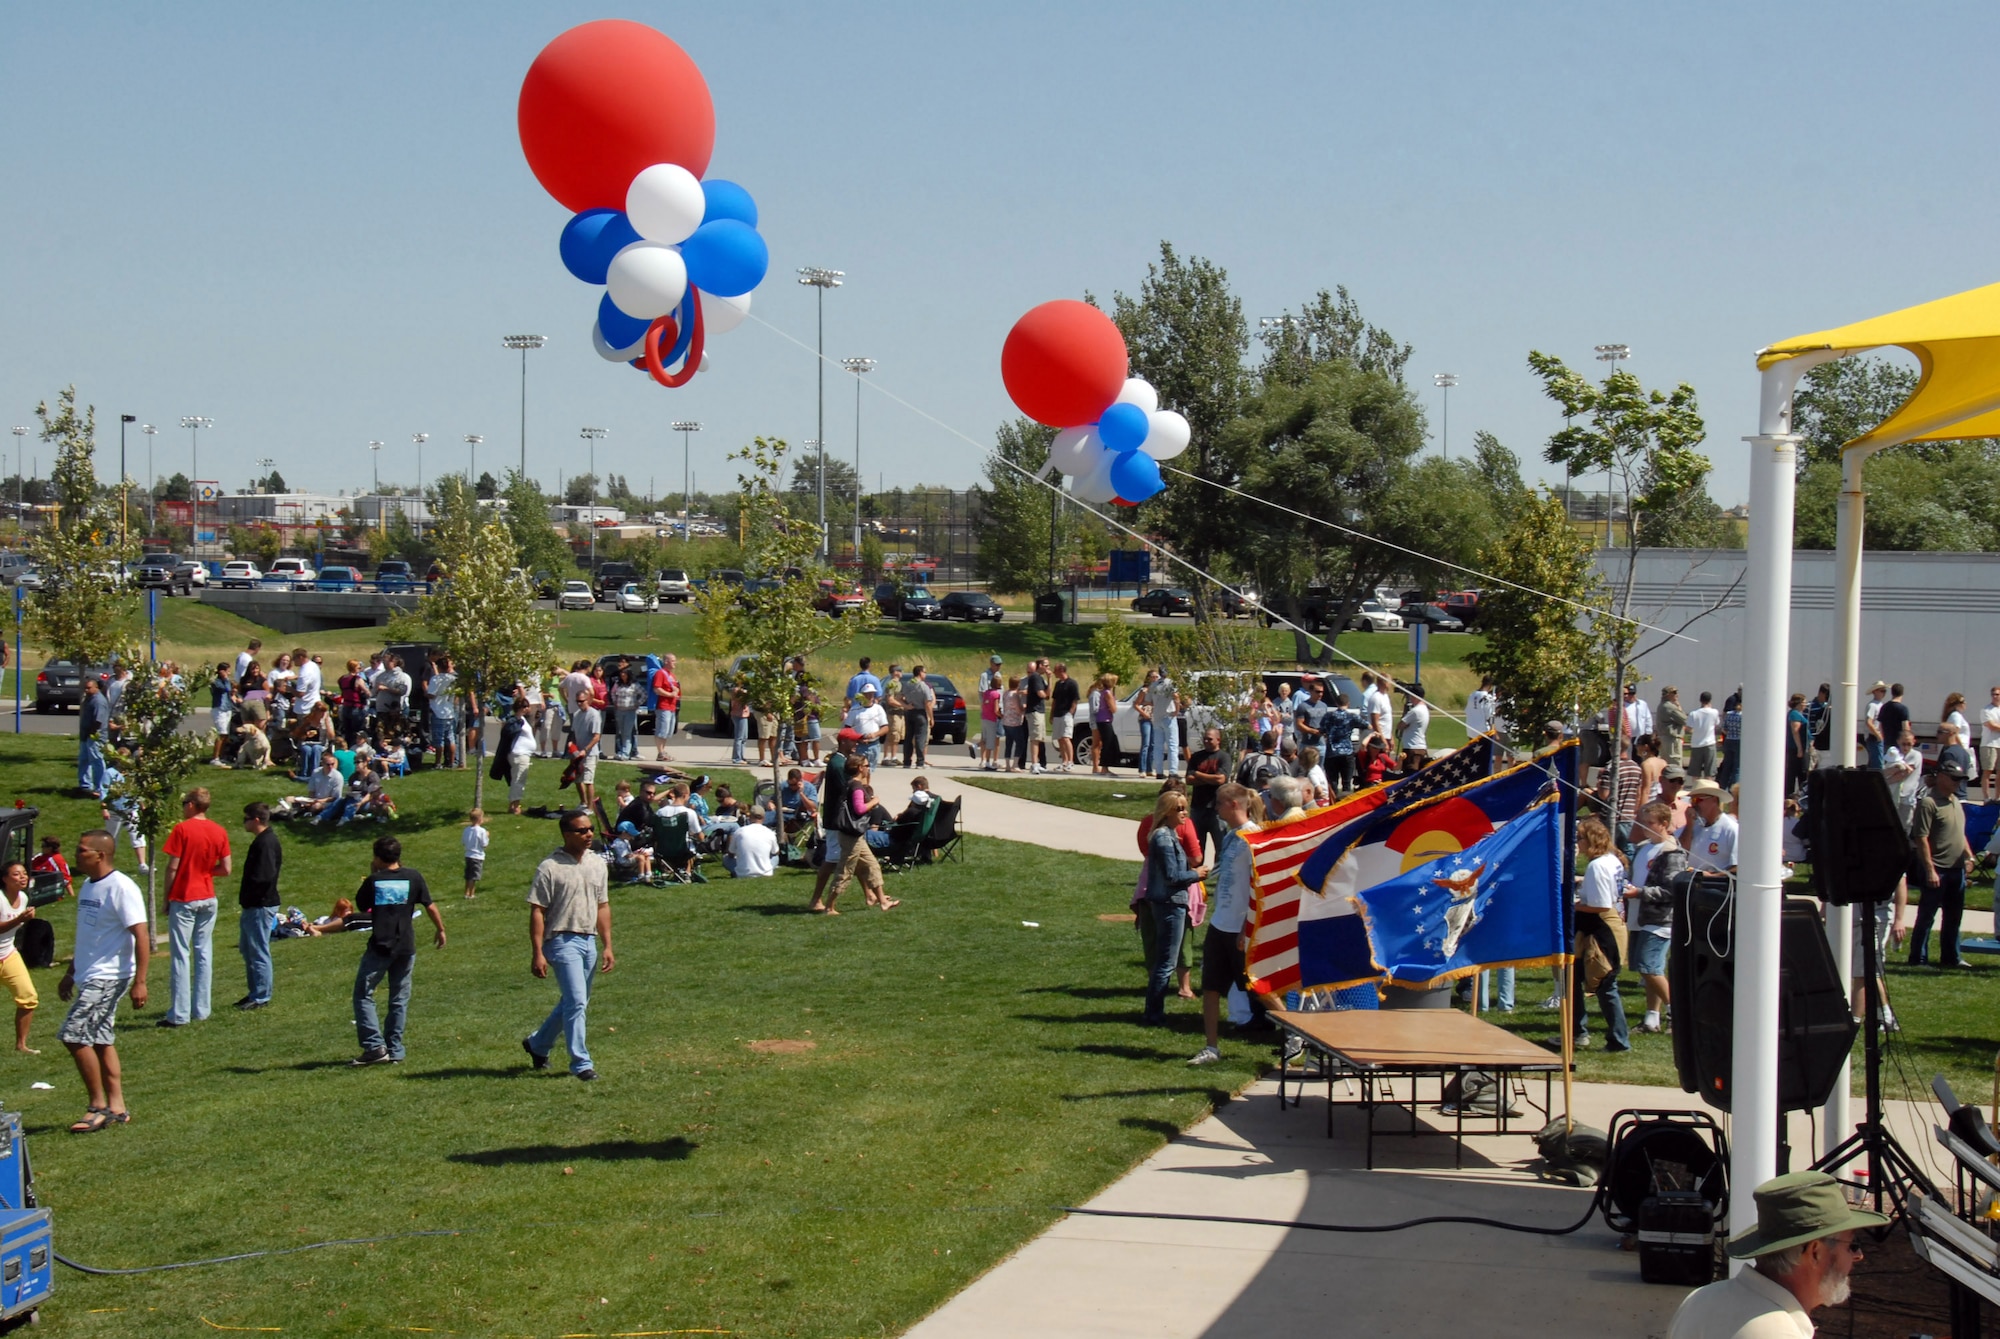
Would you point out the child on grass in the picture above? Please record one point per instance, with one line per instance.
(474, 840)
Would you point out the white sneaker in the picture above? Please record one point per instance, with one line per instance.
(1207, 1055)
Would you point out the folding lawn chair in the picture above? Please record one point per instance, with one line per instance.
(941, 842)
(906, 840)
(675, 859)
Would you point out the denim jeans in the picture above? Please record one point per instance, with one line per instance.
(253, 940)
(1731, 754)
(90, 766)
(1945, 904)
(1875, 758)
(1504, 977)
(374, 966)
(191, 931)
(628, 731)
(1169, 924)
(572, 960)
(444, 738)
(1145, 745)
(309, 755)
(740, 731)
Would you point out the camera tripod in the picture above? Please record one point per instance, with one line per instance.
(1892, 1172)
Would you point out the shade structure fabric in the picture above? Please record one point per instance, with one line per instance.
(1957, 342)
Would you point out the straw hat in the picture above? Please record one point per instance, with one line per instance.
(1707, 788)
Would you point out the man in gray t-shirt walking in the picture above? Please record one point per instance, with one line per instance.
(569, 910)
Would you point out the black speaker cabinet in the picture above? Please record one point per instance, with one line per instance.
(1815, 1027)
(1859, 847)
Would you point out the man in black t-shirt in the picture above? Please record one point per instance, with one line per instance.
(259, 900)
(1035, 694)
(1208, 769)
(1062, 705)
(1893, 715)
(390, 895)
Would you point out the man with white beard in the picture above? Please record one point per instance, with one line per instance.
(1803, 1249)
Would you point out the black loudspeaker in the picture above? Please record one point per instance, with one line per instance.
(1859, 847)
(1816, 1027)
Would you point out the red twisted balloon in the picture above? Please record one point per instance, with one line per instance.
(663, 326)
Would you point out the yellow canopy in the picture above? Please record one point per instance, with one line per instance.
(1956, 339)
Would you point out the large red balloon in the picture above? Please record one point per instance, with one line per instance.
(1064, 363)
(606, 100)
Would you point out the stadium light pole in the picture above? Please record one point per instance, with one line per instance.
(375, 457)
(685, 427)
(124, 493)
(524, 343)
(420, 438)
(1444, 381)
(593, 436)
(194, 423)
(859, 367)
(152, 481)
(1613, 354)
(822, 280)
(20, 432)
(472, 441)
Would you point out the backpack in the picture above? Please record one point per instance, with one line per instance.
(35, 941)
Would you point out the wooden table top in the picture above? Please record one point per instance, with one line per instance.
(1417, 1039)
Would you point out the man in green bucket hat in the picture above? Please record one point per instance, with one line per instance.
(1802, 1250)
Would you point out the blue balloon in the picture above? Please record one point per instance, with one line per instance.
(727, 200)
(1135, 474)
(591, 239)
(726, 258)
(620, 331)
(1123, 427)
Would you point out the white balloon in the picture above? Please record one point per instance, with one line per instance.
(1096, 486)
(719, 316)
(1075, 450)
(704, 360)
(665, 203)
(647, 280)
(1140, 392)
(1166, 436)
(611, 355)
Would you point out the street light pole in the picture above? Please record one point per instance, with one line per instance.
(858, 366)
(684, 427)
(194, 423)
(420, 438)
(1444, 381)
(524, 343)
(1613, 354)
(20, 432)
(124, 493)
(593, 435)
(152, 480)
(375, 458)
(822, 280)
(472, 441)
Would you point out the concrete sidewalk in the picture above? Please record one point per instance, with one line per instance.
(1128, 1278)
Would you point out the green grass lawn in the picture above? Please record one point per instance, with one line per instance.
(967, 1074)
(1125, 798)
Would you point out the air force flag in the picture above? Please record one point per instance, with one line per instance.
(1494, 903)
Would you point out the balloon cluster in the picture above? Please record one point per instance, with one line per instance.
(1065, 366)
(617, 124)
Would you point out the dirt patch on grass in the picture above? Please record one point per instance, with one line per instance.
(783, 1046)
(1118, 917)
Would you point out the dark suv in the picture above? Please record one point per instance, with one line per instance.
(614, 577)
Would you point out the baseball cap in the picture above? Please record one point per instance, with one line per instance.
(848, 736)
(868, 688)
(1952, 767)
(1674, 773)
(994, 659)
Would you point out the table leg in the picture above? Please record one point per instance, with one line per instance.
(1368, 1112)
(1458, 1139)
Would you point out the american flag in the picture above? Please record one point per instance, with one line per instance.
(1278, 853)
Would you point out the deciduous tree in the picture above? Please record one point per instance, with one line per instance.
(1546, 662)
(78, 614)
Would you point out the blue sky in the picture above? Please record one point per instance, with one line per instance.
(313, 223)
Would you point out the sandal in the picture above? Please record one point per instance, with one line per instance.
(119, 1117)
(95, 1119)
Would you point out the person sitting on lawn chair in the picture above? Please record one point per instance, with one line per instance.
(629, 860)
(677, 803)
(799, 800)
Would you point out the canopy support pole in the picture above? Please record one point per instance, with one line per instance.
(1846, 726)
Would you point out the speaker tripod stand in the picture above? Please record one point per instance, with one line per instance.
(1892, 1172)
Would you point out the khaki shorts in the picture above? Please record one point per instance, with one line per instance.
(586, 769)
(14, 973)
(767, 726)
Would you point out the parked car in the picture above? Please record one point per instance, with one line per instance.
(836, 599)
(1238, 603)
(970, 605)
(240, 575)
(576, 595)
(727, 576)
(1373, 616)
(12, 564)
(1163, 603)
(297, 571)
(1435, 615)
(156, 571)
(1390, 600)
(674, 586)
(29, 578)
(635, 599)
(190, 574)
(59, 684)
(394, 574)
(336, 579)
(907, 602)
(1462, 605)
(612, 578)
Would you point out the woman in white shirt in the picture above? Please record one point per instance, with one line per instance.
(14, 972)
(1315, 776)
(1903, 769)
(1598, 921)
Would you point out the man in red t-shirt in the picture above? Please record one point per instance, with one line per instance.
(197, 853)
(666, 707)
